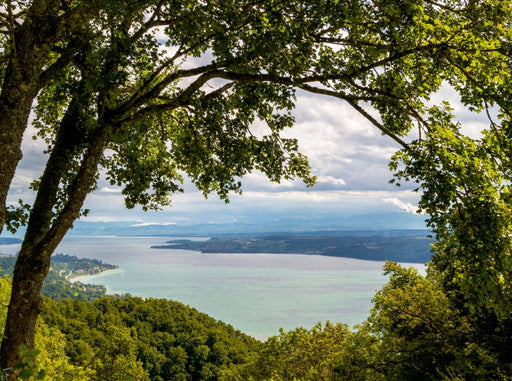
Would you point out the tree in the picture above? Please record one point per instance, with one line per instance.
(152, 338)
(417, 330)
(465, 184)
(53, 359)
(38, 39)
(300, 354)
(149, 91)
(421, 333)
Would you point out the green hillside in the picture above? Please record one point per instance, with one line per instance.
(63, 268)
(412, 249)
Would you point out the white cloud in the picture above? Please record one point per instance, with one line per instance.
(405, 206)
(331, 180)
(341, 144)
(109, 218)
(335, 195)
(111, 190)
(154, 223)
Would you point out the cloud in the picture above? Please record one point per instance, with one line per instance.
(154, 223)
(111, 190)
(405, 206)
(331, 180)
(341, 144)
(109, 218)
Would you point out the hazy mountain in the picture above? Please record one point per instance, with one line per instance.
(388, 221)
(293, 225)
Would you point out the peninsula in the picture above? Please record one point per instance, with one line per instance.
(376, 247)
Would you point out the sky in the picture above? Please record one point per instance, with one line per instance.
(347, 154)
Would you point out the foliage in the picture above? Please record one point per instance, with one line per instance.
(146, 339)
(27, 368)
(17, 216)
(150, 91)
(300, 354)
(417, 331)
(57, 285)
(5, 295)
(465, 189)
(53, 358)
(467, 196)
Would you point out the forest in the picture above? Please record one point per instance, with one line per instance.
(64, 267)
(411, 326)
(376, 247)
(155, 97)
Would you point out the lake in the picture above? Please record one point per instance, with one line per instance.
(255, 293)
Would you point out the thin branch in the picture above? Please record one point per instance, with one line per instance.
(359, 109)
(395, 56)
(64, 59)
(182, 100)
(475, 82)
(140, 97)
(445, 7)
(494, 127)
(388, 95)
(219, 91)
(152, 22)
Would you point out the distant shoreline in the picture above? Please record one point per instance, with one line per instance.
(84, 278)
(9, 241)
(405, 249)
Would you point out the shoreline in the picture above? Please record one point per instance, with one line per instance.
(84, 278)
(261, 290)
(418, 265)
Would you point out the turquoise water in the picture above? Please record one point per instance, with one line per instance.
(256, 293)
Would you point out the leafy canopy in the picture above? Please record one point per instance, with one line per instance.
(147, 92)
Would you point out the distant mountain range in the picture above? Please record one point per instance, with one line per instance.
(9, 241)
(370, 222)
(393, 236)
(297, 226)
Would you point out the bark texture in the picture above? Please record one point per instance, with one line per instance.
(32, 63)
(45, 231)
(29, 68)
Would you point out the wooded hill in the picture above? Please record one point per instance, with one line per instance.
(411, 249)
(64, 267)
(155, 339)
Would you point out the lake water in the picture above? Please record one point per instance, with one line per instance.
(256, 293)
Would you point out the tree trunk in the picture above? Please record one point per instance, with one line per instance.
(12, 126)
(34, 259)
(31, 268)
(28, 69)
(42, 238)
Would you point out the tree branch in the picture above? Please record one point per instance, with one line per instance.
(80, 188)
(181, 100)
(353, 102)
